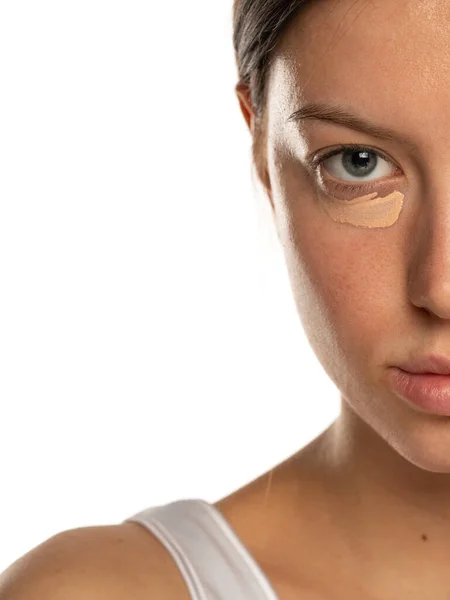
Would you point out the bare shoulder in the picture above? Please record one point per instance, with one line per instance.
(113, 562)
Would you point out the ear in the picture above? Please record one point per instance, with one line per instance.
(245, 103)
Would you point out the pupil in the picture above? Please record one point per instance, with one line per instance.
(359, 162)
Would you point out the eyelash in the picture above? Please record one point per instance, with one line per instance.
(343, 187)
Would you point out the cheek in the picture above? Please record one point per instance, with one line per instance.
(345, 279)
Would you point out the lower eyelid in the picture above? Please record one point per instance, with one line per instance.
(347, 192)
(353, 188)
(341, 191)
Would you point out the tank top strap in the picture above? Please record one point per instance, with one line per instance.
(212, 559)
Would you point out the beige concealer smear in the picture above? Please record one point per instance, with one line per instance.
(367, 211)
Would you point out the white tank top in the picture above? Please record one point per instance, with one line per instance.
(212, 559)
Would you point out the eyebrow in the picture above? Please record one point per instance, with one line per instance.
(341, 116)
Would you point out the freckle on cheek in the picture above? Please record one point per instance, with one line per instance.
(367, 211)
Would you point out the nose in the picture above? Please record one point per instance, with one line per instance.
(429, 270)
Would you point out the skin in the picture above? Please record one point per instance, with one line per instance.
(370, 496)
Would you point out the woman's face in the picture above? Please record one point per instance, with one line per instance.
(371, 278)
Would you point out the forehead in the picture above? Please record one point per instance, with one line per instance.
(382, 56)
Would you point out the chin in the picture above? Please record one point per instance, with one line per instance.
(420, 438)
(426, 444)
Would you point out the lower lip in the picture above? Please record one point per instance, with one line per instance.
(428, 391)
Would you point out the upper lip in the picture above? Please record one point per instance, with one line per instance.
(432, 363)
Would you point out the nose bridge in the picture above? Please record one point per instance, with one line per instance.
(429, 270)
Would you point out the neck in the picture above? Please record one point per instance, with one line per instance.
(393, 515)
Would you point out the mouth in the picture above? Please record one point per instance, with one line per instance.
(424, 383)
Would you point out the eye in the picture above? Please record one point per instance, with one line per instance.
(353, 163)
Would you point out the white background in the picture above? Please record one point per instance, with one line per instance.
(150, 349)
